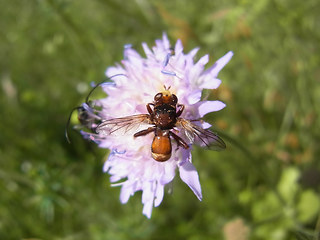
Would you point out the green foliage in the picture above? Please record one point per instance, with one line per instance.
(264, 186)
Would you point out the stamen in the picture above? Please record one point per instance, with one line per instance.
(166, 62)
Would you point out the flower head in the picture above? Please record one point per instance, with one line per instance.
(135, 82)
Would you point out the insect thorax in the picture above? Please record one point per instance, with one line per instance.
(165, 116)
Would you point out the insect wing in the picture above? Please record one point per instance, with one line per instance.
(122, 125)
(197, 134)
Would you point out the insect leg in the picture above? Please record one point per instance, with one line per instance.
(150, 111)
(144, 132)
(181, 108)
(179, 140)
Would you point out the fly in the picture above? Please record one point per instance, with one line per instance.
(163, 116)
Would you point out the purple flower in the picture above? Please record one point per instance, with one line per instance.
(135, 83)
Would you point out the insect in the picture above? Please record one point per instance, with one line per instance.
(87, 114)
(86, 117)
(164, 116)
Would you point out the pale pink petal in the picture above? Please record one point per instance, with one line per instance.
(178, 47)
(197, 69)
(147, 50)
(205, 125)
(159, 195)
(194, 97)
(147, 208)
(134, 58)
(165, 41)
(169, 172)
(141, 108)
(220, 63)
(115, 178)
(208, 82)
(189, 175)
(203, 60)
(147, 193)
(192, 53)
(106, 166)
(111, 71)
(148, 198)
(210, 106)
(125, 194)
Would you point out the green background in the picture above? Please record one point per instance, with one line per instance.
(264, 186)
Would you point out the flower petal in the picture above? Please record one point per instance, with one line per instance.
(165, 41)
(209, 83)
(210, 106)
(159, 194)
(196, 70)
(194, 97)
(125, 194)
(205, 125)
(189, 175)
(220, 63)
(146, 49)
(147, 208)
(178, 47)
(148, 198)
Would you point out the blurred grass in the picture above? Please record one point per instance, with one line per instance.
(265, 186)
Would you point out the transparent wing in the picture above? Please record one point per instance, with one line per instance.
(122, 125)
(198, 135)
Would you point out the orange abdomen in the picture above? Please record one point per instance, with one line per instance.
(161, 147)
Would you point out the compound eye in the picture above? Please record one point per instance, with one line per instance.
(174, 99)
(158, 96)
